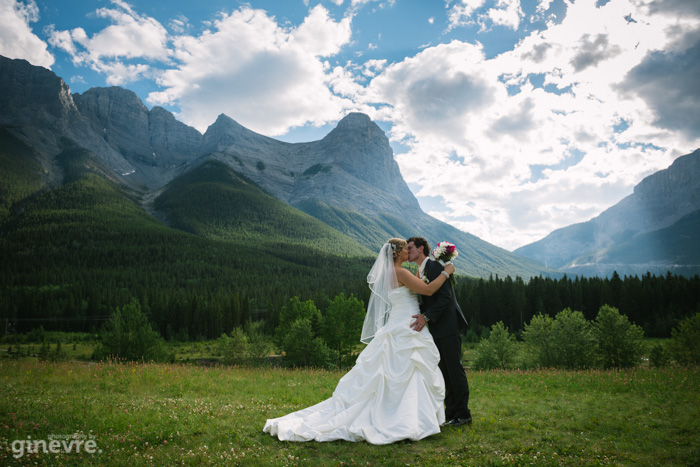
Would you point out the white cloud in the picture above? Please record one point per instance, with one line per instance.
(543, 5)
(461, 13)
(267, 78)
(179, 25)
(16, 37)
(77, 79)
(506, 13)
(513, 160)
(130, 36)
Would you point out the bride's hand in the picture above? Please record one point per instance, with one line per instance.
(450, 268)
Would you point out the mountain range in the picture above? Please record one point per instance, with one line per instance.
(343, 195)
(655, 229)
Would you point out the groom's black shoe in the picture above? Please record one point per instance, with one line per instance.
(459, 421)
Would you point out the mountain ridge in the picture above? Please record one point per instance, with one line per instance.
(351, 170)
(658, 203)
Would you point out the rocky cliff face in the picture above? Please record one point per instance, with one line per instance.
(32, 95)
(170, 137)
(666, 196)
(121, 117)
(153, 142)
(358, 148)
(352, 167)
(152, 138)
(39, 108)
(658, 202)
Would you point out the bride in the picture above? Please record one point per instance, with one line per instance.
(395, 390)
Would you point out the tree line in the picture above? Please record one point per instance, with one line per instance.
(656, 303)
(224, 298)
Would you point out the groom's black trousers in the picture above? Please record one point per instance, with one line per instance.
(456, 384)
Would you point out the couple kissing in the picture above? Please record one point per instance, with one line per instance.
(408, 382)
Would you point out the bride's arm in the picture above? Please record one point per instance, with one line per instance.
(405, 277)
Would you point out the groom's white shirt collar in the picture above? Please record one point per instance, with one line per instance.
(421, 270)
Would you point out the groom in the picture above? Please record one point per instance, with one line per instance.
(446, 325)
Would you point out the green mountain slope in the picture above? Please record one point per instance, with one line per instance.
(476, 258)
(371, 231)
(20, 172)
(215, 202)
(78, 251)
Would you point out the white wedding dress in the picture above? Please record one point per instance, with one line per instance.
(395, 391)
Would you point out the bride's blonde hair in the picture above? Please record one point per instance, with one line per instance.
(397, 246)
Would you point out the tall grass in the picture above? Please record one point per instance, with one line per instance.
(161, 414)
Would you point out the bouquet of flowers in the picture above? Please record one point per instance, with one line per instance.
(445, 253)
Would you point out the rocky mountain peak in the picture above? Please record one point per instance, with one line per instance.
(118, 113)
(360, 128)
(684, 172)
(32, 94)
(355, 121)
(225, 132)
(359, 147)
(224, 122)
(145, 138)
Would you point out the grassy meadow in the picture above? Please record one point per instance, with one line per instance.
(177, 414)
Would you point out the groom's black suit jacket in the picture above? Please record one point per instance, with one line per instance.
(442, 310)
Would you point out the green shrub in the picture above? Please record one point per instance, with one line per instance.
(128, 335)
(294, 310)
(497, 351)
(684, 346)
(249, 348)
(539, 341)
(573, 341)
(233, 348)
(258, 345)
(342, 326)
(619, 342)
(301, 348)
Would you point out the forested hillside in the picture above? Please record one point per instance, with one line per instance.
(73, 254)
(20, 175)
(215, 202)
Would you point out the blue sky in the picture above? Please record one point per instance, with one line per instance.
(508, 118)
